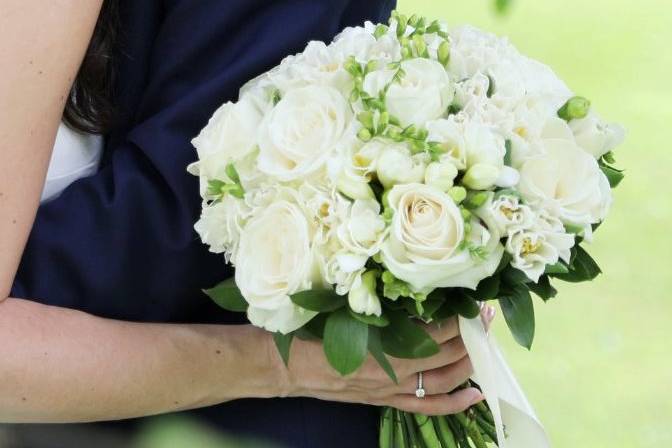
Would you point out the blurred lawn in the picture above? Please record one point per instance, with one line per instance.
(599, 373)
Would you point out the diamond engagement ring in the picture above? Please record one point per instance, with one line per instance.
(420, 391)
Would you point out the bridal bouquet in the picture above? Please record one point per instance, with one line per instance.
(402, 174)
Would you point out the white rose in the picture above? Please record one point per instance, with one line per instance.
(510, 215)
(533, 250)
(229, 136)
(270, 269)
(422, 94)
(396, 165)
(362, 297)
(568, 183)
(221, 224)
(424, 247)
(596, 136)
(301, 132)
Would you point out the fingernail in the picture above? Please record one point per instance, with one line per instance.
(487, 316)
(478, 397)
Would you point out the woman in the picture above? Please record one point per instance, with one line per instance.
(112, 268)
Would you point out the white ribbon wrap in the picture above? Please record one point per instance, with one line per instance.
(508, 403)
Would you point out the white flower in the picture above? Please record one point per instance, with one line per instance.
(449, 133)
(424, 247)
(300, 133)
(596, 136)
(473, 51)
(231, 134)
(423, 93)
(270, 267)
(220, 225)
(352, 172)
(396, 165)
(360, 43)
(362, 297)
(362, 230)
(534, 249)
(510, 215)
(568, 183)
(481, 176)
(441, 174)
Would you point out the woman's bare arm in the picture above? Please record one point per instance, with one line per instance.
(41, 47)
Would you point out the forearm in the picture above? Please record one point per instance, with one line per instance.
(60, 365)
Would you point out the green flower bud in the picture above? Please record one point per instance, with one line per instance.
(232, 173)
(466, 214)
(444, 52)
(380, 31)
(371, 66)
(354, 188)
(383, 120)
(402, 23)
(366, 118)
(364, 135)
(476, 200)
(575, 108)
(458, 194)
(420, 45)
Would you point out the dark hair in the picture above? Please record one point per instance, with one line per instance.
(90, 106)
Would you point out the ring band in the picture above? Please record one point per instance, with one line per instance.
(420, 390)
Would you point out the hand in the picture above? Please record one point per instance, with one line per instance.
(310, 375)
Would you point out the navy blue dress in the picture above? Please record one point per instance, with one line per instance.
(121, 244)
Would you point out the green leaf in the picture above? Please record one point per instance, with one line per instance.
(345, 342)
(543, 288)
(613, 175)
(404, 338)
(512, 276)
(314, 329)
(557, 268)
(507, 154)
(464, 304)
(487, 289)
(583, 268)
(320, 300)
(518, 311)
(376, 321)
(376, 349)
(283, 342)
(228, 296)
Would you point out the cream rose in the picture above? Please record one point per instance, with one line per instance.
(568, 183)
(424, 247)
(302, 131)
(422, 94)
(269, 269)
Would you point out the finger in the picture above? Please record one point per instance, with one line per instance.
(444, 330)
(488, 313)
(447, 404)
(449, 352)
(438, 381)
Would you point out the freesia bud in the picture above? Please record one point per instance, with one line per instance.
(354, 187)
(575, 108)
(481, 176)
(458, 194)
(440, 175)
(362, 296)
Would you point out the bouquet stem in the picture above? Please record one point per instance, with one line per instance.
(473, 428)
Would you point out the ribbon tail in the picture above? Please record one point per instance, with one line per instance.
(515, 420)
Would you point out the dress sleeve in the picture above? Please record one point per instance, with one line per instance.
(121, 243)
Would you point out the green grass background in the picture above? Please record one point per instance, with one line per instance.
(599, 373)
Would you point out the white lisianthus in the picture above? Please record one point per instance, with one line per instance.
(510, 215)
(362, 297)
(270, 269)
(221, 224)
(363, 228)
(231, 134)
(425, 245)
(534, 249)
(441, 174)
(300, 133)
(397, 165)
(596, 136)
(423, 93)
(568, 183)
